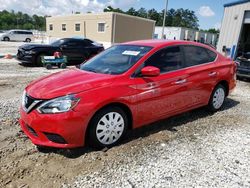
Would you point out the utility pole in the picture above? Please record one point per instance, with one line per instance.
(164, 19)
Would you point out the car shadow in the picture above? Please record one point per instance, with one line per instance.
(169, 124)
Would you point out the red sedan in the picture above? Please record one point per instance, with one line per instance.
(125, 87)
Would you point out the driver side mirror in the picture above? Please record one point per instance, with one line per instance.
(150, 71)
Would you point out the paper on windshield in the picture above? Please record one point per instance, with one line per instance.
(132, 53)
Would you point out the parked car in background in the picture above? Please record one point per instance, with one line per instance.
(125, 87)
(17, 35)
(76, 50)
(243, 66)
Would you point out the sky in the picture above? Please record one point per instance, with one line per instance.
(209, 12)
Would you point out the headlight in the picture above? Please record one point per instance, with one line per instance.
(58, 105)
(30, 52)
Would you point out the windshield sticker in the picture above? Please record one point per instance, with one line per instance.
(132, 53)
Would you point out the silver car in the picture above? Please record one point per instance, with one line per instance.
(17, 35)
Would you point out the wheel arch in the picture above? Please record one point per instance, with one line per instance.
(121, 105)
(225, 84)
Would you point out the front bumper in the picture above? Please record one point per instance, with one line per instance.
(24, 58)
(64, 130)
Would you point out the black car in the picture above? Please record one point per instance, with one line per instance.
(76, 50)
(243, 66)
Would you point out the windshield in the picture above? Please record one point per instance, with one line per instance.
(57, 42)
(116, 60)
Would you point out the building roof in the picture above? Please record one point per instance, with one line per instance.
(236, 3)
(99, 14)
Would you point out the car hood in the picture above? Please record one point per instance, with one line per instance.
(31, 46)
(67, 82)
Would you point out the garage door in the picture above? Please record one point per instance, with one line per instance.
(247, 17)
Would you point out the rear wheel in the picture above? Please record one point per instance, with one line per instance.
(217, 98)
(107, 127)
(28, 40)
(6, 39)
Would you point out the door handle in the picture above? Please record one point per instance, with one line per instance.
(212, 74)
(181, 81)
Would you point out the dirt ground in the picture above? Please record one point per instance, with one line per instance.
(21, 165)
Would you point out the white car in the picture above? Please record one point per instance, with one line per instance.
(17, 35)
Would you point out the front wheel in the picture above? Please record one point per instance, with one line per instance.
(217, 98)
(107, 127)
(39, 60)
(6, 39)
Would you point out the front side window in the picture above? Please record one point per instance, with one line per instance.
(63, 27)
(101, 27)
(116, 60)
(166, 60)
(77, 27)
(195, 55)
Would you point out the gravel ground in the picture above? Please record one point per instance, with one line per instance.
(195, 149)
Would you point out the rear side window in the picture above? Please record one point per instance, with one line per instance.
(166, 60)
(195, 55)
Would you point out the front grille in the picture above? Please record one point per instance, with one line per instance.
(55, 138)
(30, 103)
(20, 53)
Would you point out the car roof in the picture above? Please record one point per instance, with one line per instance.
(76, 39)
(161, 43)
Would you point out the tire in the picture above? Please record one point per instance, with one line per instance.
(48, 66)
(217, 98)
(63, 66)
(39, 60)
(28, 40)
(6, 39)
(105, 133)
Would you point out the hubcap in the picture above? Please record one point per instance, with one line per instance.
(110, 128)
(218, 98)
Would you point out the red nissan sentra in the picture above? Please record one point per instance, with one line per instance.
(125, 87)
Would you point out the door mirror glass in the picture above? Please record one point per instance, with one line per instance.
(150, 71)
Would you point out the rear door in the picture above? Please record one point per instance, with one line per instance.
(165, 94)
(202, 73)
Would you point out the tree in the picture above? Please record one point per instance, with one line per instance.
(111, 9)
(142, 12)
(12, 20)
(132, 12)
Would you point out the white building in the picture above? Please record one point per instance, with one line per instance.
(235, 29)
(181, 33)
